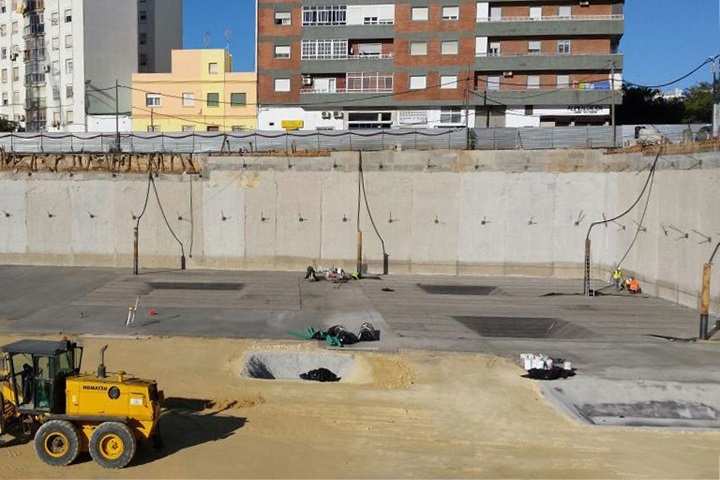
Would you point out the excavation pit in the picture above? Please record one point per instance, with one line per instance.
(290, 365)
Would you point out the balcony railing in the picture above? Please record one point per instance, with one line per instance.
(552, 18)
(366, 56)
(347, 90)
(543, 54)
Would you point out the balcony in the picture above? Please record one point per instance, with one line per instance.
(377, 89)
(552, 18)
(547, 95)
(34, 30)
(317, 64)
(496, 61)
(582, 25)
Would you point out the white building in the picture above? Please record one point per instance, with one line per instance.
(60, 59)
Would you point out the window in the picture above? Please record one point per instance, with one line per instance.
(3, 30)
(68, 15)
(324, 49)
(56, 118)
(563, 47)
(213, 99)
(55, 18)
(142, 16)
(325, 15)
(563, 81)
(369, 82)
(56, 67)
(3, 6)
(56, 94)
(493, 84)
(282, 51)
(69, 117)
(188, 99)
(14, 27)
(565, 11)
(450, 13)
(418, 82)
(419, 14)
(188, 128)
(238, 99)
(495, 14)
(153, 128)
(535, 13)
(213, 67)
(451, 115)
(283, 18)
(69, 66)
(69, 91)
(68, 41)
(16, 97)
(448, 81)
(418, 48)
(143, 59)
(16, 74)
(4, 75)
(494, 50)
(534, 47)
(282, 84)
(143, 39)
(370, 50)
(56, 43)
(153, 100)
(238, 128)
(449, 47)
(533, 82)
(5, 98)
(3, 53)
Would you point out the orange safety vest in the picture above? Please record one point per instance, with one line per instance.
(634, 286)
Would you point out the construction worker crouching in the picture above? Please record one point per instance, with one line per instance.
(633, 285)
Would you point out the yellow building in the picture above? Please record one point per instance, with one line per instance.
(202, 93)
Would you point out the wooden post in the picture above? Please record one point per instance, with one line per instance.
(705, 302)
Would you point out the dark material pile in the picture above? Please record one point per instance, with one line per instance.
(320, 375)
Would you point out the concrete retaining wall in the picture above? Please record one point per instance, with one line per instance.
(440, 212)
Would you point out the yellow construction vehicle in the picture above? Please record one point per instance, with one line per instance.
(43, 392)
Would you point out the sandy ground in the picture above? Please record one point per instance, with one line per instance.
(407, 415)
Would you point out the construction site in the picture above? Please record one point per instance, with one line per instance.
(194, 270)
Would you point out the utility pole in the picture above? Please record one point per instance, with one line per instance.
(117, 115)
(612, 103)
(715, 95)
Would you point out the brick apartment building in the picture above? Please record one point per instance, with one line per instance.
(326, 64)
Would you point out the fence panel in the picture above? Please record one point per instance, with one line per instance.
(529, 138)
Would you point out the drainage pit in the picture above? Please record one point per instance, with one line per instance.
(290, 365)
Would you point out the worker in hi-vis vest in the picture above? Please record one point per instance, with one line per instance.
(617, 278)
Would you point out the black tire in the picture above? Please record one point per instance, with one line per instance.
(112, 445)
(57, 443)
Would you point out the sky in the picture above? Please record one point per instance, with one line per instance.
(663, 41)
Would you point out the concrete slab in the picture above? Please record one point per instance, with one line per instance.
(629, 372)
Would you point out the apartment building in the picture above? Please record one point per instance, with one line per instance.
(60, 59)
(201, 93)
(438, 63)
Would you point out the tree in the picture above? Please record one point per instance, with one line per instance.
(7, 125)
(698, 104)
(646, 105)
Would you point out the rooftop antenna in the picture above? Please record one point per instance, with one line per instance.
(206, 39)
(228, 37)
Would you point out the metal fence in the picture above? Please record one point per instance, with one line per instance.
(535, 138)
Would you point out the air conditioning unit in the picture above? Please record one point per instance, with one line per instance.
(338, 115)
(47, 68)
(326, 115)
(508, 74)
(13, 56)
(307, 80)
